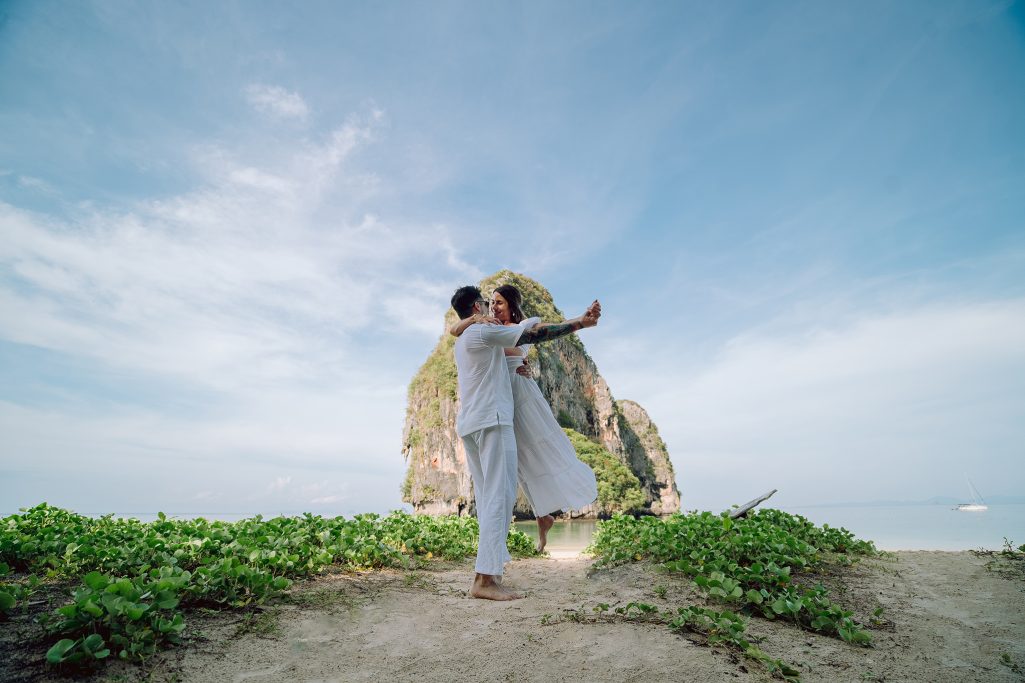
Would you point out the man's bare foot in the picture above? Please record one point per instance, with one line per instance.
(485, 588)
(543, 525)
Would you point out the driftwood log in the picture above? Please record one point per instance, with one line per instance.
(749, 505)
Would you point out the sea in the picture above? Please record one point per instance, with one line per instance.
(890, 527)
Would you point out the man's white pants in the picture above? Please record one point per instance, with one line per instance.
(491, 457)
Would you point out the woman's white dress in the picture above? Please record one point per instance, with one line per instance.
(552, 476)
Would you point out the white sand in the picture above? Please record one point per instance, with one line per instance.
(951, 618)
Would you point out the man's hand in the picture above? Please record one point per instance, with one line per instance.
(544, 332)
(524, 370)
(591, 315)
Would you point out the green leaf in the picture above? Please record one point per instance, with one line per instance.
(7, 601)
(92, 609)
(754, 597)
(135, 611)
(60, 649)
(167, 600)
(95, 580)
(92, 643)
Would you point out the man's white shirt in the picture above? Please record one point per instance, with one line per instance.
(485, 393)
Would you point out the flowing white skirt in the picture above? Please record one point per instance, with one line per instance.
(552, 476)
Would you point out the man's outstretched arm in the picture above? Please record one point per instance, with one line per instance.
(548, 331)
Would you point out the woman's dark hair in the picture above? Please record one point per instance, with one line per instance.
(513, 298)
(464, 299)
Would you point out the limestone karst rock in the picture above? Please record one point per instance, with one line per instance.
(437, 481)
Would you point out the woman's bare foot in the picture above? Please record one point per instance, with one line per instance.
(543, 525)
(486, 588)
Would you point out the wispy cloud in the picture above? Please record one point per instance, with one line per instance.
(245, 280)
(273, 290)
(911, 395)
(279, 484)
(277, 101)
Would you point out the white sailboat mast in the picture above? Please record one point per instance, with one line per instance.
(976, 496)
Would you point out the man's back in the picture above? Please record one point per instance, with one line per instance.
(485, 395)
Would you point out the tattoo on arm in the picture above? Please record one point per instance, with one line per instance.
(536, 335)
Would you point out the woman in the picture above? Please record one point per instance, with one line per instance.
(551, 475)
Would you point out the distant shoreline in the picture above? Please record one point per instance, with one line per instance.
(997, 500)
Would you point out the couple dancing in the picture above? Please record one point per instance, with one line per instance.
(507, 427)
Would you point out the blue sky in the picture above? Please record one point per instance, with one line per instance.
(230, 231)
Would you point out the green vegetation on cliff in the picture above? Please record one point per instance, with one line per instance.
(619, 489)
(437, 376)
(407, 485)
(436, 381)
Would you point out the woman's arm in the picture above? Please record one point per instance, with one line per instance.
(460, 326)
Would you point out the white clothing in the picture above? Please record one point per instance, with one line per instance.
(485, 423)
(491, 458)
(552, 476)
(485, 396)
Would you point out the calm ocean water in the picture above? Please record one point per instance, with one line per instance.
(898, 527)
(925, 527)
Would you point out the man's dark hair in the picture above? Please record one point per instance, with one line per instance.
(464, 299)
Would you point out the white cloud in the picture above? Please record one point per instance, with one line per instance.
(258, 276)
(279, 484)
(277, 101)
(36, 184)
(895, 405)
(276, 293)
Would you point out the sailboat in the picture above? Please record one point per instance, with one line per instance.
(977, 504)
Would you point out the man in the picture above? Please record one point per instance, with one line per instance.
(485, 424)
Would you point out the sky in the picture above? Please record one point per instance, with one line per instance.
(230, 232)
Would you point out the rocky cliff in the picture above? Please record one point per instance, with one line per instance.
(437, 481)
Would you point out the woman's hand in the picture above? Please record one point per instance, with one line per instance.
(460, 325)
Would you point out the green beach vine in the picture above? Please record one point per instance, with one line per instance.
(135, 582)
(761, 565)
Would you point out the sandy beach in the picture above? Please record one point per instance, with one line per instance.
(947, 616)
